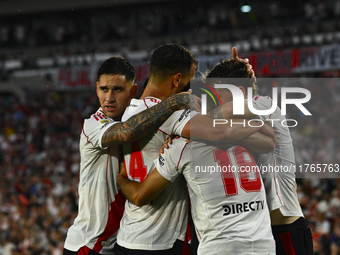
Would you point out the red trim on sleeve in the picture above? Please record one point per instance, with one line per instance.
(198, 233)
(153, 100)
(163, 131)
(180, 157)
(87, 138)
(107, 167)
(145, 104)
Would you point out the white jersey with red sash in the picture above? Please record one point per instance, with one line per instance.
(155, 226)
(228, 201)
(101, 205)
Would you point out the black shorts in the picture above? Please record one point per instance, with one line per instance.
(82, 251)
(176, 249)
(293, 239)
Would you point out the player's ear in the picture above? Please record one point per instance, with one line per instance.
(177, 79)
(134, 89)
(97, 87)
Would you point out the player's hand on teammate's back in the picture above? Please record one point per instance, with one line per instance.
(166, 144)
(194, 101)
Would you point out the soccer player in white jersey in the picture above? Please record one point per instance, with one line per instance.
(290, 230)
(160, 227)
(101, 204)
(229, 208)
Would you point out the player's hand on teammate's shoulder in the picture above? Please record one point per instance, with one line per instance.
(246, 62)
(186, 100)
(166, 144)
(195, 102)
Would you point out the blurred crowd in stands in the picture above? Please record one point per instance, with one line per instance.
(191, 21)
(39, 150)
(39, 167)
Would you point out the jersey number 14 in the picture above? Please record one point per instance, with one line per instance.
(137, 169)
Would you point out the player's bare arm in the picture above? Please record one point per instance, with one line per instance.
(258, 143)
(148, 120)
(141, 193)
(262, 142)
(257, 139)
(202, 127)
(226, 112)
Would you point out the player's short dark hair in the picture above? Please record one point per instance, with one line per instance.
(169, 59)
(231, 68)
(117, 65)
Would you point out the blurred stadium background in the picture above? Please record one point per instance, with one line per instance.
(49, 54)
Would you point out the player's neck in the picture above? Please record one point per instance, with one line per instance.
(159, 90)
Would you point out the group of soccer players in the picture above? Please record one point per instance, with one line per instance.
(232, 212)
